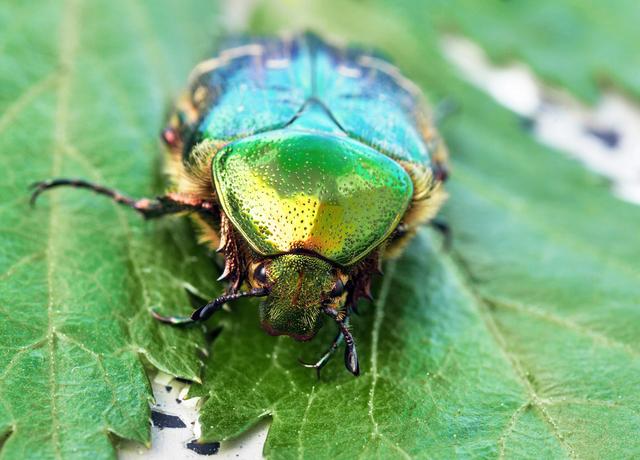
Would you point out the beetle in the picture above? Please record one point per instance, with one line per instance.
(305, 164)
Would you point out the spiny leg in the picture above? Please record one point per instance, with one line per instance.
(326, 356)
(445, 230)
(350, 352)
(203, 313)
(152, 208)
(149, 208)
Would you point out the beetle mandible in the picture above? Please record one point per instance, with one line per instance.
(305, 164)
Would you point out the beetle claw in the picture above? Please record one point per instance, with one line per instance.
(175, 320)
(324, 359)
(317, 366)
(36, 188)
(351, 360)
(305, 364)
(350, 353)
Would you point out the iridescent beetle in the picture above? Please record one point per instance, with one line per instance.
(305, 165)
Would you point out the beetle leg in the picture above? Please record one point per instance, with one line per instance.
(203, 313)
(350, 353)
(149, 208)
(445, 230)
(326, 356)
(175, 320)
(400, 231)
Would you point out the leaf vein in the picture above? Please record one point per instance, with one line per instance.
(486, 315)
(502, 440)
(17, 264)
(22, 102)
(68, 43)
(310, 399)
(605, 259)
(597, 337)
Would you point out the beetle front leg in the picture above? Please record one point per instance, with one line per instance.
(350, 354)
(206, 311)
(149, 208)
(445, 230)
(318, 365)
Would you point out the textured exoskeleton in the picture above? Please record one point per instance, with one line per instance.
(305, 165)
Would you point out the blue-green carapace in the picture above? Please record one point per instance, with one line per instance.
(305, 164)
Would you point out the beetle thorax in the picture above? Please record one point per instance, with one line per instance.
(293, 190)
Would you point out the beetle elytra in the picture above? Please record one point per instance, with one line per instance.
(305, 165)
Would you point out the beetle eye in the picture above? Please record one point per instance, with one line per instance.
(338, 289)
(260, 274)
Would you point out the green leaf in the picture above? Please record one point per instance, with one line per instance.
(523, 340)
(580, 45)
(83, 91)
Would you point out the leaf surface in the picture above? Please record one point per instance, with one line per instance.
(83, 90)
(521, 342)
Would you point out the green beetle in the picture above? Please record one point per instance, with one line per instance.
(305, 164)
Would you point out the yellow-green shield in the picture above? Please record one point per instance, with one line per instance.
(293, 190)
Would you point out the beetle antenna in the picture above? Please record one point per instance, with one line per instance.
(203, 313)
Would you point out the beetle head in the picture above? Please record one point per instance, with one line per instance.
(299, 287)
